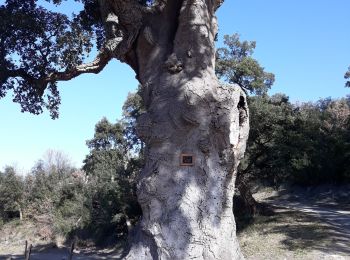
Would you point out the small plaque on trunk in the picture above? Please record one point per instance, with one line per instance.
(187, 160)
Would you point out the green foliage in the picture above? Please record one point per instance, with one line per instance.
(235, 64)
(112, 165)
(96, 202)
(70, 210)
(11, 194)
(306, 144)
(267, 144)
(35, 42)
(326, 126)
(107, 150)
(132, 108)
(347, 76)
(111, 168)
(43, 184)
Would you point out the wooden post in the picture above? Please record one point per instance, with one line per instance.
(27, 257)
(30, 251)
(71, 251)
(25, 250)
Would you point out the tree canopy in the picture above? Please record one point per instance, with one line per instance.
(11, 186)
(306, 143)
(39, 47)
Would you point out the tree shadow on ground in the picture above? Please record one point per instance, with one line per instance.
(322, 215)
(244, 222)
(331, 196)
(307, 231)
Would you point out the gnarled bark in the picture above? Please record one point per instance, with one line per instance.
(187, 210)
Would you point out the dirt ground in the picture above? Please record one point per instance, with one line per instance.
(14, 234)
(307, 224)
(50, 252)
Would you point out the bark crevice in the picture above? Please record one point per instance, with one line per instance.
(174, 23)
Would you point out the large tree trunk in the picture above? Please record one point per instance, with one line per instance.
(187, 209)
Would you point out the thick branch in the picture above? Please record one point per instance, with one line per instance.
(41, 83)
(123, 20)
(95, 66)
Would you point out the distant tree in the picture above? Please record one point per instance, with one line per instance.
(11, 194)
(272, 118)
(330, 158)
(132, 109)
(54, 196)
(235, 64)
(107, 150)
(70, 211)
(57, 162)
(347, 76)
(44, 183)
(337, 114)
(306, 143)
(111, 168)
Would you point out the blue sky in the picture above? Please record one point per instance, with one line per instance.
(305, 43)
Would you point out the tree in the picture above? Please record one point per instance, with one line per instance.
(347, 76)
(111, 187)
(187, 209)
(236, 65)
(306, 144)
(132, 109)
(11, 190)
(269, 142)
(107, 150)
(57, 162)
(266, 158)
(323, 142)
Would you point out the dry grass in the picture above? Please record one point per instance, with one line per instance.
(14, 234)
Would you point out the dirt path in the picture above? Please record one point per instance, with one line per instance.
(325, 209)
(337, 218)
